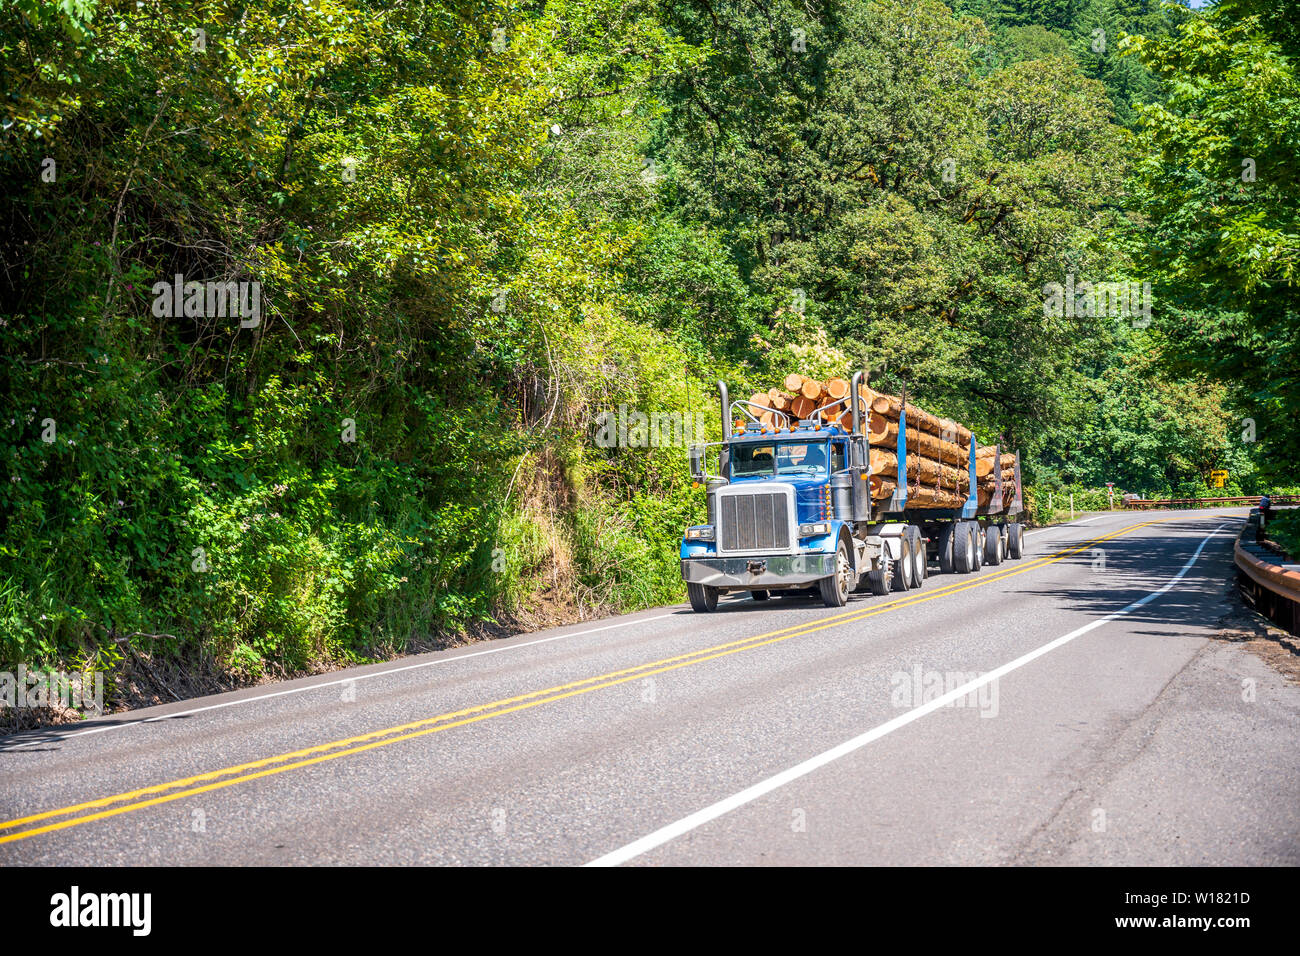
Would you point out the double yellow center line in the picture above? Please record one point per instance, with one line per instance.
(49, 820)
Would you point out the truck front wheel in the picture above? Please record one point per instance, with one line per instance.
(703, 598)
(835, 589)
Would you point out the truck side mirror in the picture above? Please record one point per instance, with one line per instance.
(858, 452)
(696, 453)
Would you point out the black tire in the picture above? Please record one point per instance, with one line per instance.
(835, 589)
(1015, 541)
(977, 544)
(902, 577)
(947, 534)
(963, 548)
(920, 562)
(877, 582)
(992, 544)
(703, 598)
(760, 595)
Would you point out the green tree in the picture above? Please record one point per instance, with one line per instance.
(1218, 212)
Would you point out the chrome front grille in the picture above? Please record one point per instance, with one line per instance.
(754, 522)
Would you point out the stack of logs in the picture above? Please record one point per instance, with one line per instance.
(938, 450)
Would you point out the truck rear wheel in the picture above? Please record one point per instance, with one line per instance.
(835, 589)
(977, 545)
(947, 535)
(992, 544)
(877, 582)
(902, 578)
(703, 598)
(1015, 540)
(919, 562)
(963, 548)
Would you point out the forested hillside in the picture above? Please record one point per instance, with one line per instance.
(460, 232)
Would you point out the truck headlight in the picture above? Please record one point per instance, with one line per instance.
(702, 533)
(814, 530)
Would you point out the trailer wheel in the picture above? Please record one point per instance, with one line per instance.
(760, 595)
(1015, 540)
(977, 545)
(902, 577)
(992, 545)
(963, 548)
(918, 556)
(835, 589)
(947, 535)
(703, 598)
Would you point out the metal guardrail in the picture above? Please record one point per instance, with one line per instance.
(1253, 500)
(1269, 582)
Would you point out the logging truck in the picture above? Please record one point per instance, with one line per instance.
(830, 487)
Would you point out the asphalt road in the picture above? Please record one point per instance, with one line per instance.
(1070, 707)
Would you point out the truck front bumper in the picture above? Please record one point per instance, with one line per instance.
(783, 570)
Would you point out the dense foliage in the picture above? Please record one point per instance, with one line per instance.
(474, 227)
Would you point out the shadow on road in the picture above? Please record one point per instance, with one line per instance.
(1122, 571)
(1118, 572)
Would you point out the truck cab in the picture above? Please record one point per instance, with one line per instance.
(781, 510)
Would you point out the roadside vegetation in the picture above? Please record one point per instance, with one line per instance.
(1284, 531)
(476, 227)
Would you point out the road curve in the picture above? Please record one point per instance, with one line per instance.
(1070, 707)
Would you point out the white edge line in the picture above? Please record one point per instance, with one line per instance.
(332, 683)
(700, 817)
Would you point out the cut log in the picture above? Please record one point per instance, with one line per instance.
(802, 407)
(930, 496)
(836, 416)
(882, 487)
(811, 389)
(760, 398)
(919, 468)
(890, 405)
(884, 432)
(836, 388)
(793, 382)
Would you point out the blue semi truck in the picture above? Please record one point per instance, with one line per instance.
(790, 510)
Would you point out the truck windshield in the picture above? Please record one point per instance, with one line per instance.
(780, 458)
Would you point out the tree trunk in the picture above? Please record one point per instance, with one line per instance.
(925, 470)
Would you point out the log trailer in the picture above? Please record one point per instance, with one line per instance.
(791, 509)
